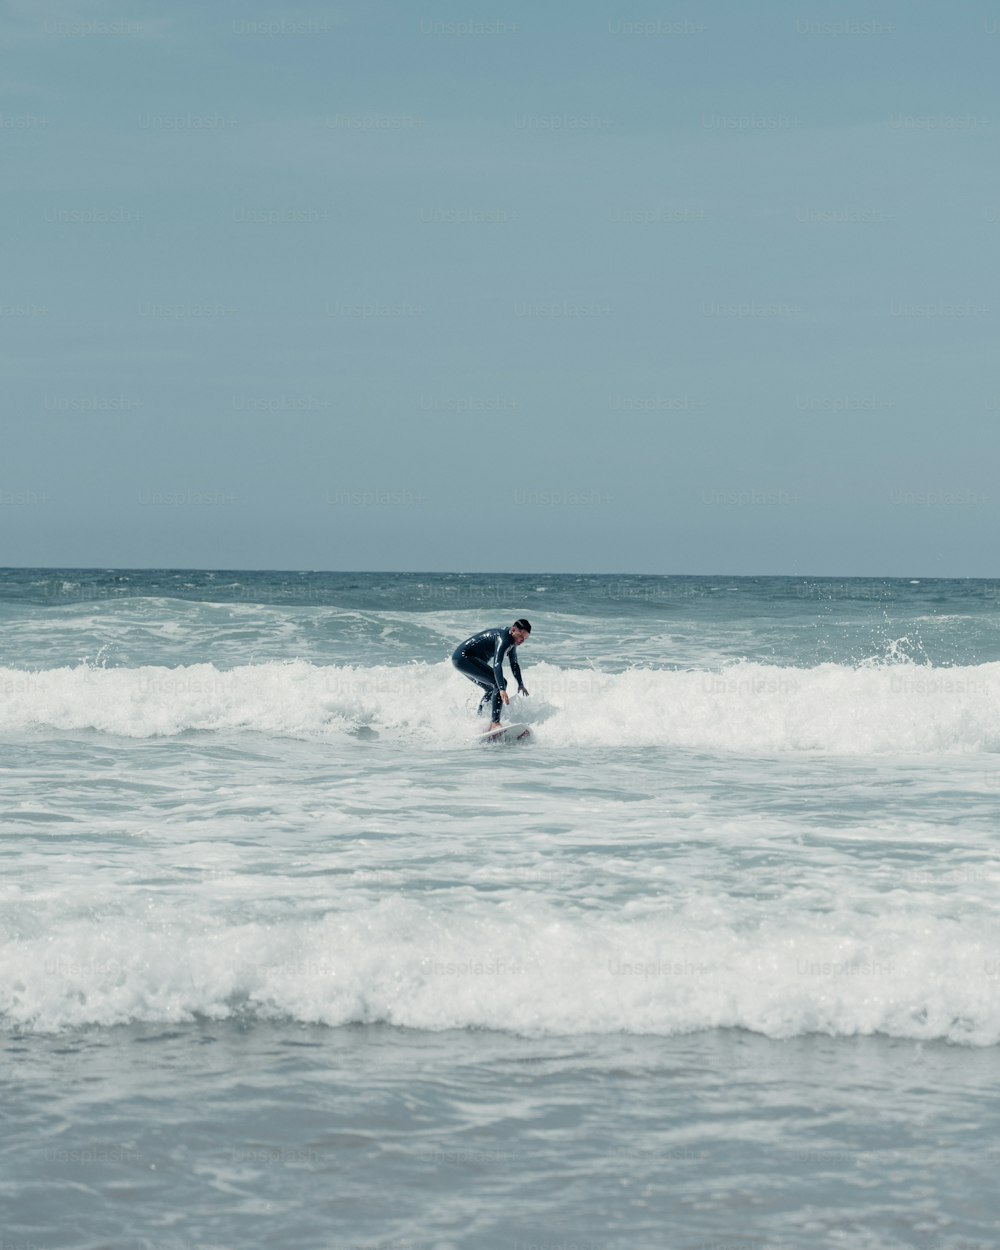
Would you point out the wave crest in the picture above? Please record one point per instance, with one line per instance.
(746, 707)
(527, 966)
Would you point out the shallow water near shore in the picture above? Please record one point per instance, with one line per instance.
(237, 1134)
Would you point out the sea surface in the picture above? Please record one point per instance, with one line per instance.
(289, 959)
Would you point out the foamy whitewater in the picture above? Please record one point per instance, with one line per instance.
(287, 956)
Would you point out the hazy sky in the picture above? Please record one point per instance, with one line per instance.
(678, 288)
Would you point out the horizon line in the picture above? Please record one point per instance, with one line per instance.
(184, 568)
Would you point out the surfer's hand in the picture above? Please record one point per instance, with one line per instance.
(522, 690)
(506, 697)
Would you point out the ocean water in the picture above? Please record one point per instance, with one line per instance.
(287, 958)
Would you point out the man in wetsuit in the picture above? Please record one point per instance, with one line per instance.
(480, 658)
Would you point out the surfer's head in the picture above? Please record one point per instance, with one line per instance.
(519, 631)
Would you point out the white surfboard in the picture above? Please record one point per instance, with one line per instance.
(506, 733)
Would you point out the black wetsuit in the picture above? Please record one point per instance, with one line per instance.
(481, 658)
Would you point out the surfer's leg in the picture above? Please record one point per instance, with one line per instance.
(479, 671)
(496, 706)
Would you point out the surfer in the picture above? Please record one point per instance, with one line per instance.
(480, 658)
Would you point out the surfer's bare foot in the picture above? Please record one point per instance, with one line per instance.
(495, 725)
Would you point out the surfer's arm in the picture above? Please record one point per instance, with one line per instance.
(498, 654)
(515, 668)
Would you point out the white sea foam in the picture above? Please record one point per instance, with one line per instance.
(527, 965)
(747, 707)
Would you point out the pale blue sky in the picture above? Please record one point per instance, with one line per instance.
(678, 288)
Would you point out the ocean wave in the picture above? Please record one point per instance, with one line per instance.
(749, 708)
(525, 965)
